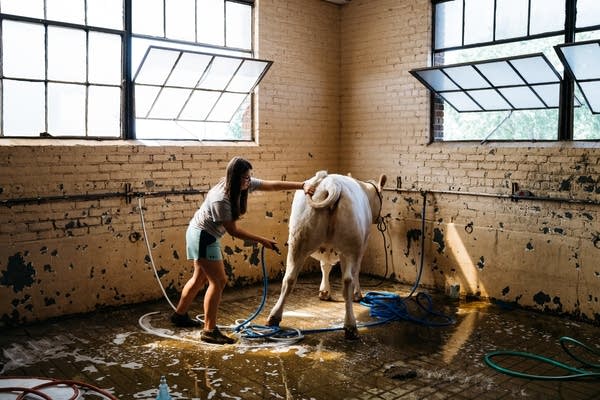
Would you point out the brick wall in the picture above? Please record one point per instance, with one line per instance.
(534, 253)
(75, 255)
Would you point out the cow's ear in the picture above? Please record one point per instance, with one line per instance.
(382, 181)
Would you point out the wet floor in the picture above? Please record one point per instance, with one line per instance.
(126, 351)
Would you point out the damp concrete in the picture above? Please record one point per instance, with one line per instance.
(125, 351)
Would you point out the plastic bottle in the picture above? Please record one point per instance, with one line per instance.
(163, 390)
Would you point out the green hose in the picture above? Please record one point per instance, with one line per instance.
(574, 373)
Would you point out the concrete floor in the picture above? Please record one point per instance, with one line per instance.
(397, 360)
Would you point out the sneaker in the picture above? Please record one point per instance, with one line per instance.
(216, 337)
(184, 321)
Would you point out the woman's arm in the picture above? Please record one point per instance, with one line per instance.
(235, 231)
(286, 185)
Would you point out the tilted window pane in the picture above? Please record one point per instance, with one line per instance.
(511, 18)
(199, 105)
(25, 8)
(189, 70)
(72, 11)
(226, 107)
(181, 20)
(104, 58)
(547, 16)
(23, 108)
(460, 101)
(220, 73)
(583, 60)
(247, 76)
(489, 100)
(534, 70)
(66, 54)
(105, 13)
(104, 111)
(169, 103)
(591, 90)
(157, 67)
(448, 24)
(466, 77)
(500, 74)
(144, 98)
(147, 17)
(239, 25)
(66, 109)
(548, 93)
(23, 50)
(479, 21)
(588, 13)
(521, 97)
(211, 22)
(437, 80)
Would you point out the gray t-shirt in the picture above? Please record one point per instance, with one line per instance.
(216, 209)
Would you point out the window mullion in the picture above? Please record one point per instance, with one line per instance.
(567, 87)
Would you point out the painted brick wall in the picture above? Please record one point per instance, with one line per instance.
(538, 254)
(72, 256)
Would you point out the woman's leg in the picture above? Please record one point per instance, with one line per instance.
(191, 289)
(215, 273)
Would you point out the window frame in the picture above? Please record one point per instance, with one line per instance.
(565, 124)
(127, 117)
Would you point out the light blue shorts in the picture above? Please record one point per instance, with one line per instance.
(201, 244)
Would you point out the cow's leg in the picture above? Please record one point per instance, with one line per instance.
(357, 295)
(347, 265)
(294, 263)
(325, 288)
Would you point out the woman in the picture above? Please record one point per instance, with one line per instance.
(218, 214)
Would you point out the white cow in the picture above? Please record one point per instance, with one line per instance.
(332, 225)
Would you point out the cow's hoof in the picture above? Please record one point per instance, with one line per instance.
(351, 333)
(324, 295)
(357, 297)
(273, 321)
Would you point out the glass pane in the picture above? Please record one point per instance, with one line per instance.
(511, 18)
(105, 13)
(144, 98)
(169, 103)
(437, 80)
(23, 50)
(583, 60)
(26, 8)
(66, 109)
(66, 11)
(479, 21)
(66, 54)
(461, 101)
(157, 66)
(466, 77)
(239, 25)
(521, 97)
(588, 13)
(199, 105)
(548, 93)
(535, 70)
(105, 58)
(189, 70)
(104, 111)
(181, 20)
(220, 73)
(448, 24)
(586, 126)
(211, 22)
(226, 107)
(489, 100)
(499, 73)
(247, 76)
(547, 16)
(591, 90)
(24, 108)
(147, 17)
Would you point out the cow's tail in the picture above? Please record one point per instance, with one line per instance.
(327, 191)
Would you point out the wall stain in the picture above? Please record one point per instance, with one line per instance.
(228, 250)
(541, 298)
(411, 234)
(529, 246)
(505, 291)
(18, 274)
(481, 262)
(175, 255)
(254, 258)
(565, 185)
(438, 238)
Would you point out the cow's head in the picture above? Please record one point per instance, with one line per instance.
(373, 190)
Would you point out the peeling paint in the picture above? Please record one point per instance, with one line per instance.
(438, 238)
(18, 274)
(481, 262)
(529, 246)
(505, 291)
(254, 257)
(541, 298)
(411, 234)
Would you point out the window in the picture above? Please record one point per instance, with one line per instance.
(489, 40)
(146, 69)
